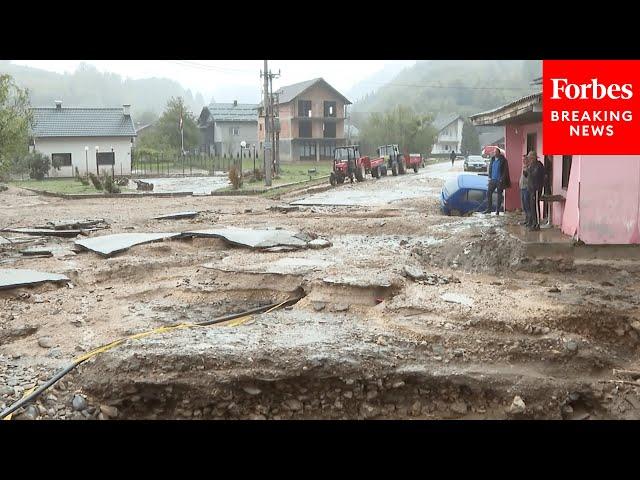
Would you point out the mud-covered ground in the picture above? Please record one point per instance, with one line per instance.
(490, 332)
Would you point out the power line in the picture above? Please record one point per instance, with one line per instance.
(392, 84)
(202, 66)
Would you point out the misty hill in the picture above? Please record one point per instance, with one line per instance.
(89, 87)
(441, 86)
(373, 82)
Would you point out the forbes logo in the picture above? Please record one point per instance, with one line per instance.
(589, 91)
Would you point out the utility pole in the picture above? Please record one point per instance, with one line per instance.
(274, 133)
(266, 105)
(277, 130)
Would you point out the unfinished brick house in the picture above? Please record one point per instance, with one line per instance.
(311, 117)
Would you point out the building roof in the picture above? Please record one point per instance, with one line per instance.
(444, 119)
(290, 92)
(527, 109)
(233, 112)
(81, 122)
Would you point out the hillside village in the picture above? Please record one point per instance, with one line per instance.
(315, 256)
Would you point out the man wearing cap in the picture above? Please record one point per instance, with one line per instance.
(498, 179)
(524, 193)
(535, 181)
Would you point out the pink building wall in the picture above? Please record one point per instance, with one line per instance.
(604, 199)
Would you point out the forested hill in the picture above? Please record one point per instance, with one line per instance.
(443, 86)
(89, 87)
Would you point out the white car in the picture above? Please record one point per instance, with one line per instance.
(475, 163)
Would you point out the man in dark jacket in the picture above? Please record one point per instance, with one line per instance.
(535, 174)
(452, 157)
(498, 180)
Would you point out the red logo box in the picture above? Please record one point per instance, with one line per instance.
(591, 107)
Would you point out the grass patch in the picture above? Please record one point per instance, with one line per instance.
(58, 185)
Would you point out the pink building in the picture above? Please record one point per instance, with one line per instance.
(596, 198)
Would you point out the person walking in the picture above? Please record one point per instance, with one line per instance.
(535, 182)
(524, 193)
(498, 180)
(452, 157)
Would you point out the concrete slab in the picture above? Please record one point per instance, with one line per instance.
(176, 216)
(252, 238)
(282, 266)
(108, 245)
(16, 278)
(457, 298)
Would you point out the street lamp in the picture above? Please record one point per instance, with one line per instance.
(97, 167)
(86, 161)
(113, 164)
(254, 159)
(243, 145)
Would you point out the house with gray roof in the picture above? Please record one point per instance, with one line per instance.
(225, 125)
(311, 121)
(449, 138)
(94, 140)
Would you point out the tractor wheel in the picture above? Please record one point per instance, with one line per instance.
(332, 179)
(394, 168)
(340, 179)
(360, 173)
(383, 170)
(374, 172)
(402, 168)
(378, 172)
(415, 168)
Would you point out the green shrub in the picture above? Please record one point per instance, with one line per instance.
(234, 177)
(96, 181)
(109, 185)
(39, 165)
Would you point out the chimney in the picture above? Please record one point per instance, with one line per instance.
(125, 109)
(235, 103)
(58, 104)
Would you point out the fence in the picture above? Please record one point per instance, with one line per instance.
(191, 164)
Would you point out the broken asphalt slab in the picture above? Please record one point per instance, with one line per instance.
(15, 278)
(177, 216)
(107, 245)
(247, 237)
(86, 224)
(47, 231)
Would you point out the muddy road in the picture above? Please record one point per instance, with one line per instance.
(407, 314)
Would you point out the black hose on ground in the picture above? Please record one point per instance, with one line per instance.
(36, 393)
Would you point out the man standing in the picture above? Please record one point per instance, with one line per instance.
(498, 179)
(535, 181)
(452, 156)
(524, 193)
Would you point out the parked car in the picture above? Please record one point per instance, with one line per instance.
(465, 195)
(476, 163)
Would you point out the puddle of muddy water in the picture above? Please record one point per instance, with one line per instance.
(197, 185)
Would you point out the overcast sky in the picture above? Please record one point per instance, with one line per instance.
(225, 79)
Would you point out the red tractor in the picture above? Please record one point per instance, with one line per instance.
(390, 158)
(347, 163)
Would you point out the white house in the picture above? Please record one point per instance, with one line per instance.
(449, 127)
(91, 139)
